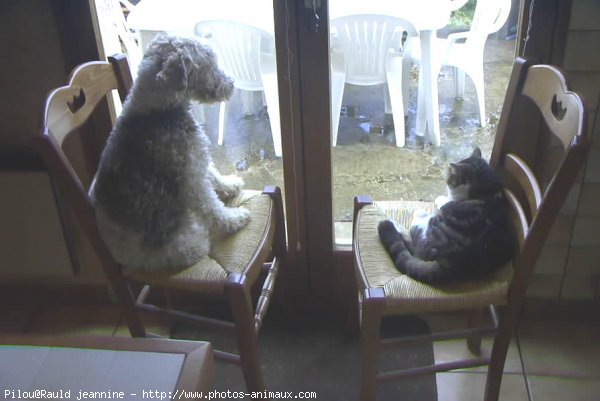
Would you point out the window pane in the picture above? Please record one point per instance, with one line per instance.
(381, 151)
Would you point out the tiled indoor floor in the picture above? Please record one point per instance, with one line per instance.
(549, 360)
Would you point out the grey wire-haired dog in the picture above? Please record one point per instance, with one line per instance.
(157, 194)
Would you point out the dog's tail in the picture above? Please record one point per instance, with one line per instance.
(427, 271)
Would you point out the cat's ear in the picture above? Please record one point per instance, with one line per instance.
(453, 168)
(476, 152)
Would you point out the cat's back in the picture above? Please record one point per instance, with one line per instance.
(475, 234)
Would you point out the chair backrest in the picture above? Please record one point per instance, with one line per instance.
(537, 206)
(366, 40)
(240, 49)
(66, 110)
(134, 50)
(489, 17)
(116, 34)
(456, 4)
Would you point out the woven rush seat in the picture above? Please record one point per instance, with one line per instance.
(229, 253)
(404, 295)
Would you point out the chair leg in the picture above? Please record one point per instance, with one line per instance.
(459, 82)
(474, 319)
(352, 324)
(499, 351)
(387, 108)
(479, 83)
(221, 123)
(279, 249)
(338, 80)
(406, 65)
(125, 297)
(132, 318)
(394, 84)
(421, 123)
(370, 331)
(272, 99)
(238, 292)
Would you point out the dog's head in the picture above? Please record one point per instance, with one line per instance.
(185, 66)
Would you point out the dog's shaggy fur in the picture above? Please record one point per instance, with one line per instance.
(158, 197)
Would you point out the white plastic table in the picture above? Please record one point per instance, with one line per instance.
(180, 16)
(104, 368)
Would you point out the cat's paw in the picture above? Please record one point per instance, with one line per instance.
(420, 219)
(387, 232)
(229, 187)
(419, 213)
(417, 231)
(440, 201)
(401, 229)
(386, 227)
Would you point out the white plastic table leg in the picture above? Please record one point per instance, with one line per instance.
(428, 96)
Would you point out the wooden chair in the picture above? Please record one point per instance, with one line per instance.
(383, 291)
(235, 264)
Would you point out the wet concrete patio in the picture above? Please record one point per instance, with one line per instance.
(366, 160)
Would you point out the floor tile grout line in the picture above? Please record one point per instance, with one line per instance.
(537, 372)
(522, 361)
(565, 376)
(473, 372)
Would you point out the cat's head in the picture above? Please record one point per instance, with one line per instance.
(472, 178)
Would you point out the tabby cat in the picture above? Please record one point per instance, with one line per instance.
(469, 237)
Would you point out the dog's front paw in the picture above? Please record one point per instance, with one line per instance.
(229, 187)
(236, 218)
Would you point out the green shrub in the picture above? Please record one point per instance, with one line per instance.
(462, 17)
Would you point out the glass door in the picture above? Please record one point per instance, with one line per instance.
(402, 106)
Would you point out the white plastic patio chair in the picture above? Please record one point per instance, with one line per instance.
(456, 4)
(464, 50)
(367, 50)
(127, 37)
(247, 54)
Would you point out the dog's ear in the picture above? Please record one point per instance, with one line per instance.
(175, 70)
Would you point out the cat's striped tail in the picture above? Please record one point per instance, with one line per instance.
(404, 260)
